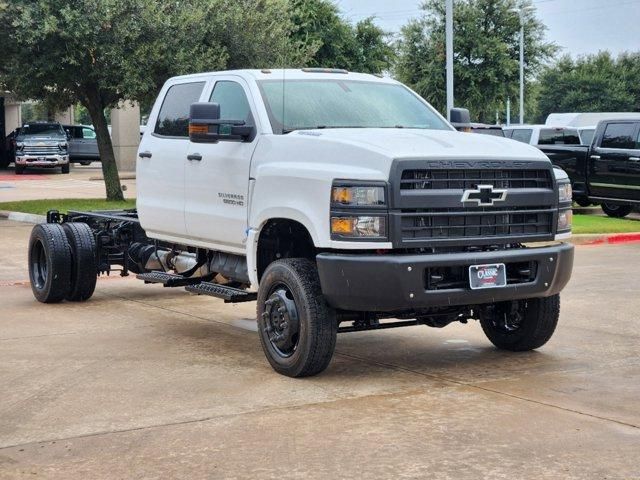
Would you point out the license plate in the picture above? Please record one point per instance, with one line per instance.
(487, 276)
(41, 159)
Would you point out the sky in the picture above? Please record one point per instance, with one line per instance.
(578, 26)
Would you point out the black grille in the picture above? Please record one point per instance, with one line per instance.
(482, 222)
(421, 179)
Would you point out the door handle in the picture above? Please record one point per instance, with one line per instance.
(634, 159)
(146, 154)
(595, 157)
(194, 157)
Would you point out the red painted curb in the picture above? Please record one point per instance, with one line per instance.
(612, 239)
(623, 238)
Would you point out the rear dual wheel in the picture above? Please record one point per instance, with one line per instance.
(62, 262)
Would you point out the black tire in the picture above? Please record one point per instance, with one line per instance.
(583, 202)
(616, 211)
(85, 162)
(538, 318)
(305, 344)
(84, 265)
(19, 169)
(65, 168)
(49, 263)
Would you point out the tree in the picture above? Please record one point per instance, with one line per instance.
(101, 53)
(336, 42)
(486, 54)
(593, 83)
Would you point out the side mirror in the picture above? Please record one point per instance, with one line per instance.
(205, 125)
(460, 119)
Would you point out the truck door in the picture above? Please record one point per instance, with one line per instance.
(161, 162)
(217, 174)
(615, 164)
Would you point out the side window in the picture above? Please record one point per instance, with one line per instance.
(232, 100)
(88, 133)
(619, 135)
(559, 136)
(508, 133)
(173, 119)
(522, 135)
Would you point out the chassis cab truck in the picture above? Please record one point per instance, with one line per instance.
(338, 202)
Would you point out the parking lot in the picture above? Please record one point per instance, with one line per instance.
(82, 182)
(148, 383)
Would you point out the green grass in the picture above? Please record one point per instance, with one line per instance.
(40, 207)
(596, 224)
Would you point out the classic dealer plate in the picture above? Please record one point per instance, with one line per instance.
(487, 276)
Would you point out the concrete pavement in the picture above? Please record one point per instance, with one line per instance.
(146, 382)
(82, 182)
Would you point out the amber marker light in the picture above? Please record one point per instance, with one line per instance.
(342, 225)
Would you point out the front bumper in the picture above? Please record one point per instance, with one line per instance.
(42, 160)
(395, 283)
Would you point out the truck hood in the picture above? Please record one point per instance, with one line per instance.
(420, 143)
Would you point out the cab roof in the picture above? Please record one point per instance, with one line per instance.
(294, 74)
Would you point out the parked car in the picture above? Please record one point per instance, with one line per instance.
(607, 171)
(542, 134)
(83, 146)
(352, 205)
(43, 145)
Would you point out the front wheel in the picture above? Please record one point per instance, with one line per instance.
(19, 169)
(65, 168)
(297, 327)
(616, 211)
(521, 325)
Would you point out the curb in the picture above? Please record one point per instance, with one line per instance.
(604, 239)
(23, 217)
(122, 176)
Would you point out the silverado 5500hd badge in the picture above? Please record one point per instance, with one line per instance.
(232, 199)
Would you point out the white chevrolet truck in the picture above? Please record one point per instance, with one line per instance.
(339, 202)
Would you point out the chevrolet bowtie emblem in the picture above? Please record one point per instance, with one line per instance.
(484, 195)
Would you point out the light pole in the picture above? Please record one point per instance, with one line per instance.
(449, 53)
(520, 12)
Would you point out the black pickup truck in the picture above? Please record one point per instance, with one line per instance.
(607, 172)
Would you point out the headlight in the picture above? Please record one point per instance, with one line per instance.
(361, 226)
(565, 218)
(19, 145)
(565, 193)
(357, 196)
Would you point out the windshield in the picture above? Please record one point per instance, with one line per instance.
(42, 130)
(310, 104)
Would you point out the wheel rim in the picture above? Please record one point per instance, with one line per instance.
(39, 269)
(281, 321)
